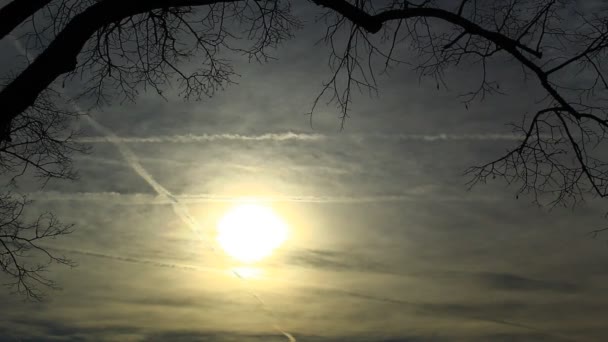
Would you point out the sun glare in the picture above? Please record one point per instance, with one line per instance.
(251, 232)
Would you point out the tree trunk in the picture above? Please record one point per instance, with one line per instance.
(17, 12)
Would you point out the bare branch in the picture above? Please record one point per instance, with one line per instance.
(16, 12)
(22, 256)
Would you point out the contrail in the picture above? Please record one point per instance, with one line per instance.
(135, 260)
(422, 307)
(190, 138)
(311, 137)
(239, 166)
(453, 137)
(183, 213)
(180, 210)
(147, 199)
(131, 159)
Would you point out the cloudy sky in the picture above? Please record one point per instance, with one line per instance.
(385, 241)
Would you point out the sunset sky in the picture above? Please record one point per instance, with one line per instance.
(384, 240)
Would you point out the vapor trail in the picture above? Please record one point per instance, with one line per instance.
(135, 260)
(180, 210)
(310, 137)
(128, 155)
(215, 165)
(327, 287)
(190, 138)
(147, 199)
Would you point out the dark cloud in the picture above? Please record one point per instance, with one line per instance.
(520, 337)
(54, 331)
(513, 282)
(192, 336)
(202, 336)
(335, 260)
(510, 314)
(184, 301)
(33, 329)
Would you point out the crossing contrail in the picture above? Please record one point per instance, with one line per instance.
(180, 210)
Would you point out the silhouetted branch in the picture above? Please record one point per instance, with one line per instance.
(560, 152)
(120, 47)
(16, 12)
(22, 257)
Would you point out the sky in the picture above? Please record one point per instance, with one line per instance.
(386, 242)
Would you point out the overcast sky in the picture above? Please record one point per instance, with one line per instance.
(386, 243)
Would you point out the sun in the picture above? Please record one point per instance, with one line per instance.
(250, 232)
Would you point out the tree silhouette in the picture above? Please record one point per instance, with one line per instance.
(120, 48)
(19, 241)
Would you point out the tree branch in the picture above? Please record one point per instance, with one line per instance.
(61, 55)
(16, 12)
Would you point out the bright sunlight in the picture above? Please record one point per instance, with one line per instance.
(251, 232)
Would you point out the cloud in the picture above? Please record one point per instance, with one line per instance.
(150, 199)
(178, 208)
(199, 336)
(513, 282)
(495, 313)
(218, 165)
(137, 260)
(311, 137)
(190, 138)
(130, 157)
(450, 137)
(520, 337)
(333, 260)
(38, 330)
(450, 239)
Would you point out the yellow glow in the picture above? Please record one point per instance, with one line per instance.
(247, 272)
(251, 232)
